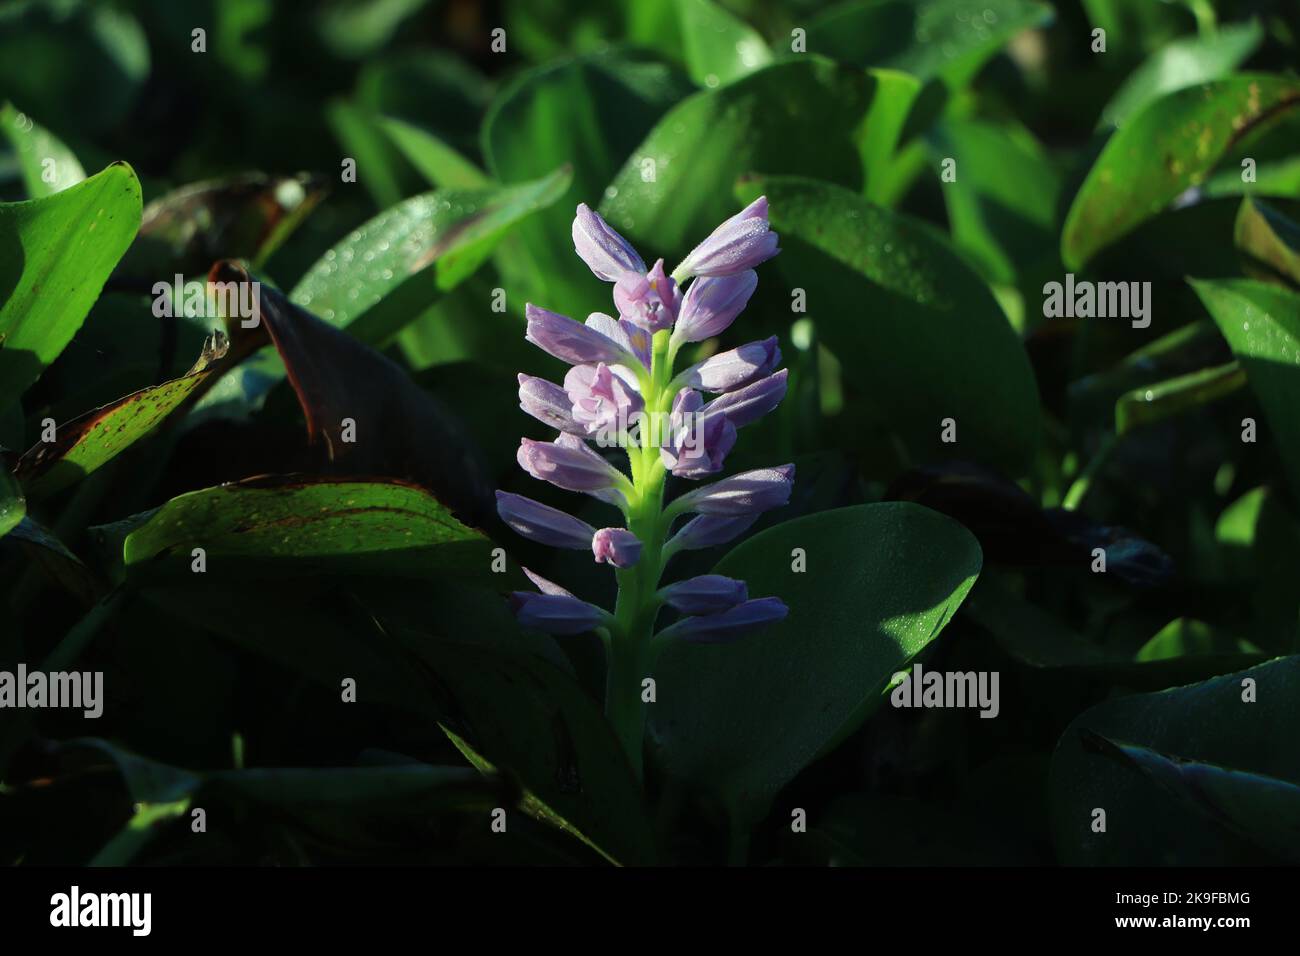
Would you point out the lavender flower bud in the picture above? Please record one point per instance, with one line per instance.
(602, 401)
(616, 546)
(705, 594)
(634, 339)
(697, 443)
(740, 243)
(734, 368)
(556, 613)
(750, 492)
(651, 301)
(567, 466)
(605, 252)
(708, 531)
(728, 625)
(542, 523)
(571, 341)
(712, 304)
(749, 404)
(548, 403)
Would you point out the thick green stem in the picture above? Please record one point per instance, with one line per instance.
(629, 645)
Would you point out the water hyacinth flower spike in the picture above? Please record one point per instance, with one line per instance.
(621, 392)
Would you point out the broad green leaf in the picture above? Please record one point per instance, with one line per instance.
(390, 268)
(1184, 62)
(589, 113)
(1002, 205)
(1163, 400)
(900, 106)
(1244, 721)
(437, 162)
(12, 505)
(46, 164)
(1262, 325)
(890, 292)
(719, 47)
(1170, 145)
(1268, 238)
(948, 39)
(798, 116)
(55, 255)
(882, 581)
(1185, 637)
(300, 526)
(380, 168)
(1258, 808)
(86, 443)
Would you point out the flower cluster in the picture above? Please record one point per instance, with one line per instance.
(622, 391)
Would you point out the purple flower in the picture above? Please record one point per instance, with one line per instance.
(602, 401)
(650, 301)
(616, 546)
(734, 368)
(740, 243)
(749, 404)
(571, 341)
(712, 304)
(708, 531)
(548, 403)
(705, 594)
(750, 492)
(697, 443)
(728, 625)
(634, 339)
(605, 252)
(570, 465)
(542, 523)
(556, 613)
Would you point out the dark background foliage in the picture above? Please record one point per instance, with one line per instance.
(901, 299)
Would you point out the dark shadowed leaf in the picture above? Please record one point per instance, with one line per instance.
(1268, 239)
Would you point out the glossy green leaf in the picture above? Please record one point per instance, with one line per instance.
(882, 581)
(55, 255)
(300, 526)
(1182, 63)
(1170, 145)
(46, 164)
(797, 116)
(88, 442)
(1243, 721)
(948, 39)
(719, 47)
(891, 292)
(388, 269)
(588, 113)
(1262, 325)
(1163, 400)
(1268, 238)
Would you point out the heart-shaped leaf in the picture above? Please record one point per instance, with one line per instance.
(55, 255)
(881, 582)
(890, 291)
(799, 116)
(1171, 144)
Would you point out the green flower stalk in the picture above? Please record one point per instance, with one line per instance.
(624, 392)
